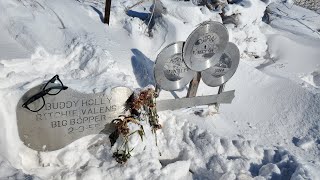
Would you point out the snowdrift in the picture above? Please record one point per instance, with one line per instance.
(270, 131)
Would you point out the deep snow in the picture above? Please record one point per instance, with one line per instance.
(271, 130)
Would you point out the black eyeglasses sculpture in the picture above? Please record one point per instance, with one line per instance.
(51, 116)
(53, 87)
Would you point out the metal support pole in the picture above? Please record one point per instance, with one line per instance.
(221, 89)
(194, 84)
(157, 91)
(107, 12)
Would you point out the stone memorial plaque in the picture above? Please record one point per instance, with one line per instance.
(205, 45)
(221, 72)
(68, 116)
(171, 73)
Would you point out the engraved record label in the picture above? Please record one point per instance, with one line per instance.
(206, 46)
(175, 68)
(222, 71)
(170, 70)
(222, 67)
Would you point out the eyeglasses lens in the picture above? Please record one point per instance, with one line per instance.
(55, 87)
(36, 105)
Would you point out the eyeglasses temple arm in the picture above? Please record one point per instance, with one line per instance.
(56, 87)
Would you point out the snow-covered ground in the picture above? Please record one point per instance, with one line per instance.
(270, 131)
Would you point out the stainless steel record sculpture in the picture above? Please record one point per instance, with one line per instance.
(205, 45)
(224, 69)
(207, 53)
(170, 71)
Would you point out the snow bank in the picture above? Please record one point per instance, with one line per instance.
(183, 151)
(247, 34)
(68, 38)
(313, 79)
(9, 172)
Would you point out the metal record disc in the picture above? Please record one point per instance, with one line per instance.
(224, 69)
(171, 73)
(205, 45)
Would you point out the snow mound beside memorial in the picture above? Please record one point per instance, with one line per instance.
(184, 151)
(247, 140)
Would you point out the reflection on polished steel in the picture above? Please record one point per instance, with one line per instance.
(173, 104)
(221, 72)
(171, 73)
(205, 45)
(68, 116)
